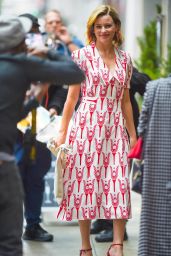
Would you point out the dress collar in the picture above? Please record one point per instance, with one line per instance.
(120, 64)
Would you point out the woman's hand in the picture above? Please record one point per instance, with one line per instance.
(133, 141)
(60, 139)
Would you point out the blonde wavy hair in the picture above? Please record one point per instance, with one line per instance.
(101, 11)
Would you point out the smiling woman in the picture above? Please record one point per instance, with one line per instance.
(105, 27)
(113, 17)
(96, 178)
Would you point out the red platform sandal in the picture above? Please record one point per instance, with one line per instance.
(83, 251)
(112, 245)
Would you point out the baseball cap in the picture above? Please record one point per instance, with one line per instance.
(12, 31)
(33, 18)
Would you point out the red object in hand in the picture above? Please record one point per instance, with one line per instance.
(136, 151)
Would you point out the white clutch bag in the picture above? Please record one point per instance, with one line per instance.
(61, 156)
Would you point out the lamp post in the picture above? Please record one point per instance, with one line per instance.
(0, 5)
(159, 25)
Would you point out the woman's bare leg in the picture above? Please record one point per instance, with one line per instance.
(85, 235)
(118, 237)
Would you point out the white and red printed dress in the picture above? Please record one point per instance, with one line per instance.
(96, 179)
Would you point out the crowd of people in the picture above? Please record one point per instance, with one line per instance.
(101, 101)
(33, 173)
(18, 71)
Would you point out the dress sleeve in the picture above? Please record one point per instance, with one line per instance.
(76, 57)
(128, 72)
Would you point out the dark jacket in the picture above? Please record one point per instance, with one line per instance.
(17, 72)
(138, 84)
(55, 98)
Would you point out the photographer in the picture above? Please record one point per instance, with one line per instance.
(33, 173)
(18, 71)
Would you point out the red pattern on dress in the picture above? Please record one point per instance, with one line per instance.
(96, 178)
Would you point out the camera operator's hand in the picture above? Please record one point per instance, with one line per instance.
(38, 91)
(64, 35)
(52, 112)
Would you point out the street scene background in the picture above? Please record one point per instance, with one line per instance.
(135, 15)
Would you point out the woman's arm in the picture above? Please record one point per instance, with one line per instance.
(128, 115)
(69, 107)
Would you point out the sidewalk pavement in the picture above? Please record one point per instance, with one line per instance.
(67, 237)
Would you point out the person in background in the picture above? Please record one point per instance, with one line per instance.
(155, 128)
(33, 172)
(138, 84)
(35, 23)
(96, 179)
(104, 228)
(17, 71)
(57, 37)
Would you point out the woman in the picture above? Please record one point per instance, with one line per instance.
(154, 126)
(96, 179)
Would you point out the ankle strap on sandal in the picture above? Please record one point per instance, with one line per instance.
(112, 245)
(116, 244)
(85, 250)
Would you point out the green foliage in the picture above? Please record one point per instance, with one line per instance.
(167, 63)
(148, 61)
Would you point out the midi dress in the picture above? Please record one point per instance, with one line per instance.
(96, 178)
